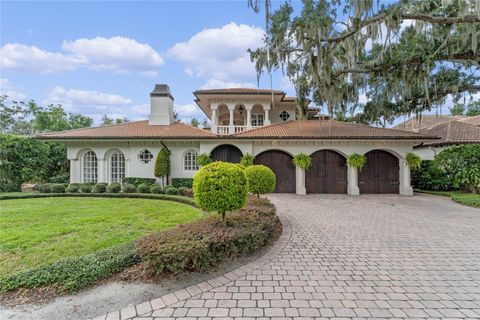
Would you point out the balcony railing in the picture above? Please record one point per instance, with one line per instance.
(226, 130)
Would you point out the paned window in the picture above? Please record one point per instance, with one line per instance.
(89, 167)
(117, 167)
(190, 161)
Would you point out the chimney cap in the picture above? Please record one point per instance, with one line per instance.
(161, 90)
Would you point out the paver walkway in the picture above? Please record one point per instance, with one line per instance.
(348, 257)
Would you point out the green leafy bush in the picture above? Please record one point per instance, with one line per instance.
(129, 188)
(261, 179)
(6, 186)
(72, 274)
(100, 188)
(143, 188)
(204, 159)
(45, 188)
(302, 160)
(357, 160)
(182, 182)
(220, 187)
(114, 188)
(461, 165)
(155, 188)
(247, 160)
(85, 188)
(205, 243)
(72, 188)
(413, 160)
(162, 164)
(429, 177)
(57, 188)
(171, 190)
(136, 181)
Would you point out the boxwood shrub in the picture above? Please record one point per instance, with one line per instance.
(85, 188)
(57, 188)
(45, 188)
(143, 188)
(72, 188)
(156, 189)
(114, 188)
(171, 190)
(261, 179)
(137, 181)
(129, 188)
(100, 187)
(182, 182)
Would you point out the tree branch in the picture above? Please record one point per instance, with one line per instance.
(441, 20)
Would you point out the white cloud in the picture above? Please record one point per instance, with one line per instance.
(219, 84)
(13, 93)
(220, 54)
(116, 54)
(187, 112)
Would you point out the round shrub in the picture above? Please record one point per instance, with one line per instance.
(261, 179)
(129, 188)
(114, 188)
(72, 188)
(99, 188)
(143, 188)
(85, 188)
(57, 188)
(220, 187)
(154, 188)
(171, 190)
(45, 188)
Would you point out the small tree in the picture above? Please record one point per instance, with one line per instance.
(302, 160)
(261, 180)
(203, 159)
(162, 165)
(247, 160)
(220, 187)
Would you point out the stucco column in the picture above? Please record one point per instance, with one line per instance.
(214, 117)
(249, 107)
(102, 170)
(231, 109)
(266, 109)
(300, 181)
(352, 177)
(405, 184)
(73, 171)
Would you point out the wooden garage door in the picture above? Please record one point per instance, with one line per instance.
(328, 173)
(380, 174)
(226, 153)
(281, 164)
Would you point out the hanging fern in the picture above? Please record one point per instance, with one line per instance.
(302, 160)
(247, 160)
(413, 160)
(203, 159)
(357, 160)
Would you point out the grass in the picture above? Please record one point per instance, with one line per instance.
(41, 231)
(468, 199)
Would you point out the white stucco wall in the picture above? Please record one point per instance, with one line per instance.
(428, 153)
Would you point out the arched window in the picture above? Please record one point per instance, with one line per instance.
(190, 161)
(89, 167)
(117, 166)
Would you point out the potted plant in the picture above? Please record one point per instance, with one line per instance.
(357, 160)
(302, 160)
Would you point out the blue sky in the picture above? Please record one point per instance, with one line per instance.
(101, 58)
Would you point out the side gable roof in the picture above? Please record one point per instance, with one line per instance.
(132, 130)
(328, 129)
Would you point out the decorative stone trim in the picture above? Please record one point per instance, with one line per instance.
(145, 309)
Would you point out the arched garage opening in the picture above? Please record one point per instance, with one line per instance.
(281, 164)
(226, 153)
(328, 173)
(380, 174)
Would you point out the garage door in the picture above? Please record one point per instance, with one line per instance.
(281, 164)
(226, 153)
(328, 173)
(380, 174)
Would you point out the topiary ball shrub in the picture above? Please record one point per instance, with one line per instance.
(45, 188)
(72, 188)
(171, 190)
(85, 188)
(57, 188)
(143, 188)
(155, 188)
(114, 188)
(99, 188)
(221, 187)
(129, 188)
(261, 179)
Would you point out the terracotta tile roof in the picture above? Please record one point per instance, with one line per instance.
(453, 132)
(239, 91)
(328, 129)
(471, 120)
(132, 130)
(425, 121)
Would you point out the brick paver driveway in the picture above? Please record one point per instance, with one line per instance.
(349, 257)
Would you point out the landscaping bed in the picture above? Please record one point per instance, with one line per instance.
(200, 245)
(468, 199)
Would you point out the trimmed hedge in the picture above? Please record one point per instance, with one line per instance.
(57, 188)
(261, 179)
(45, 187)
(28, 195)
(156, 189)
(182, 182)
(136, 181)
(143, 188)
(114, 188)
(171, 190)
(100, 188)
(85, 188)
(71, 188)
(72, 274)
(202, 244)
(129, 188)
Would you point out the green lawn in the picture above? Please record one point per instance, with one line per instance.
(468, 199)
(40, 231)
